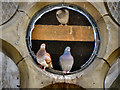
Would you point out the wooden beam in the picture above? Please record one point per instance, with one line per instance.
(63, 33)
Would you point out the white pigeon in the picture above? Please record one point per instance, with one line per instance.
(62, 16)
(66, 60)
(44, 58)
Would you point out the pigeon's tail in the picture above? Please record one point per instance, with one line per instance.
(50, 65)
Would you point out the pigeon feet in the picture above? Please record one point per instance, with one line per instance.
(65, 24)
(40, 66)
(60, 25)
(44, 69)
(64, 72)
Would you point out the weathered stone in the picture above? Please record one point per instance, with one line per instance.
(95, 78)
(32, 76)
(114, 71)
(10, 73)
(113, 36)
(8, 11)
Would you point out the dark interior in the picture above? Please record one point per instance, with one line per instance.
(63, 86)
(75, 18)
(81, 51)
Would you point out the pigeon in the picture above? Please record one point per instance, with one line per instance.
(44, 58)
(62, 16)
(66, 60)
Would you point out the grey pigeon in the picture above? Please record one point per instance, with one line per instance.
(66, 60)
(62, 16)
(43, 57)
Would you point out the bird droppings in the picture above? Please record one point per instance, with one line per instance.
(71, 30)
(89, 27)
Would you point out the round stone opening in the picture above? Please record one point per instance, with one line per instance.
(80, 34)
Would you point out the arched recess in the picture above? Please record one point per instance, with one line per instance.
(10, 51)
(114, 55)
(10, 76)
(112, 71)
(14, 54)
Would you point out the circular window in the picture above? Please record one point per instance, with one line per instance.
(113, 10)
(7, 14)
(80, 33)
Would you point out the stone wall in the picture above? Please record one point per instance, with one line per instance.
(10, 74)
(31, 76)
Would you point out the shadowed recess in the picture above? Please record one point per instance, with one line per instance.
(75, 18)
(65, 86)
(81, 51)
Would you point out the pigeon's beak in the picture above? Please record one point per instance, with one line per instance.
(68, 49)
(43, 45)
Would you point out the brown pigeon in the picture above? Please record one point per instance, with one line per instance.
(43, 57)
(62, 16)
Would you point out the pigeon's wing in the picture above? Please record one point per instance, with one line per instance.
(48, 60)
(42, 61)
(63, 17)
(66, 62)
(66, 16)
(39, 57)
(38, 54)
(59, 19)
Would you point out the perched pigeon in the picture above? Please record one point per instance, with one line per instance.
(66, 60)
(62, 16)
(43, 57)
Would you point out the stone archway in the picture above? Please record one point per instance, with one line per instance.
(114, 61)
(10, 76)
(14, 55)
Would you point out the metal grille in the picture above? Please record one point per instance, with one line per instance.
(114, 10)
(8, 10)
